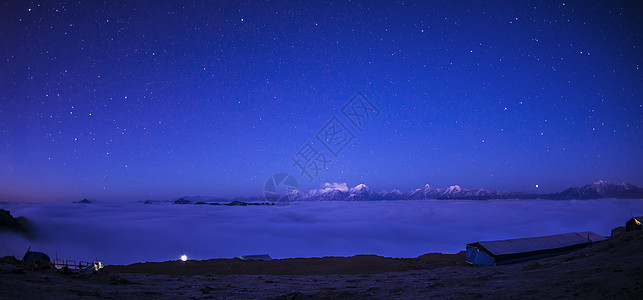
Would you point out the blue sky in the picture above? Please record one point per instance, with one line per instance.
(153, 100)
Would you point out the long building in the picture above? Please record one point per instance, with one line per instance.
(492, 253)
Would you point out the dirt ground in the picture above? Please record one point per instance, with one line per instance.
(608, 270)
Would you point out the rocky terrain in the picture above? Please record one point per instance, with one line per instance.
(607, 270)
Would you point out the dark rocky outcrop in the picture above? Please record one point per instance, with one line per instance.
(182, 201)
(9, 223)
(236, 203)
(598, 190)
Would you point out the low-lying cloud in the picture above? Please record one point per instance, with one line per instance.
(123, 233)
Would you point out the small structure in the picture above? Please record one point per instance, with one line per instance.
(634, 224)
(492, 253)
(36, 260)
(255, 257)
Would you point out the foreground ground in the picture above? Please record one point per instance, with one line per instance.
(608, 270)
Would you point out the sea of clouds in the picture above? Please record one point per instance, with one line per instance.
(123, 233)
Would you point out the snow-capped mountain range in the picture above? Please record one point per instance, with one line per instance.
(361, 192)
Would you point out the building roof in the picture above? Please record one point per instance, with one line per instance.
(534, 244)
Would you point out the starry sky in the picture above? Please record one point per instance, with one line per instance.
(134, 100)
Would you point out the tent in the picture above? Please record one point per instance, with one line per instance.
(37, 260)
(491, 253)
(634, 224)
(33, 256)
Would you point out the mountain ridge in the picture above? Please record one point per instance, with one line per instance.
(361, 192)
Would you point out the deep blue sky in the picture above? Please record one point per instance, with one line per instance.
(159, 99)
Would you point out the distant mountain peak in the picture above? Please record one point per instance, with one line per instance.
(600, 189)
(359, 188)
(361, 192)
(453, 189)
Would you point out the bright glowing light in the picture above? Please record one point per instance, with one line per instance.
(536, 185)
(184, 257)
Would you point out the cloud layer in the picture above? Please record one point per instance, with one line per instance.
(122, 233)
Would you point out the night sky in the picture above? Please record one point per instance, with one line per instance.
(135, 100)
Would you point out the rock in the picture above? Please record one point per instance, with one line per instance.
(8, 222)
(12, 260)
(182, 201)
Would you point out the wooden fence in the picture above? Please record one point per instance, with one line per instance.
(77, 265)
